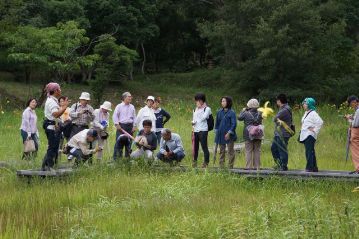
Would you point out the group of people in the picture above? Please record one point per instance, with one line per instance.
(85, 130)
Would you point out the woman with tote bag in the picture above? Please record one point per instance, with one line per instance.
(29, 131)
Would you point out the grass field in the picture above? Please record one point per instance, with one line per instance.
(135, 201)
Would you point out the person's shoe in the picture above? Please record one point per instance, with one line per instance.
(277, 167)
(354, 172)
(315, 170)
(284, 168)
(70, 157)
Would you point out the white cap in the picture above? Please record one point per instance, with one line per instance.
(106, 105)
(85, 96)
(150, 98)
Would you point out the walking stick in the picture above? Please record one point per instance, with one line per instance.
(127, 134)
(348, 144)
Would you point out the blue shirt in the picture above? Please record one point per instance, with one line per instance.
(226, 122)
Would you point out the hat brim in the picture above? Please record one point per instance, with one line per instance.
(81, 98)
(105, 108)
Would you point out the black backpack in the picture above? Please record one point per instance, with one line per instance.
(210, 121)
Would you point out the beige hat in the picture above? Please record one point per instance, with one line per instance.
(85, 96)
(150, 98)
(253, 104)
(106, 105)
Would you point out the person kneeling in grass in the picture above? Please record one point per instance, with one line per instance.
(146, 141)
(80, 145)
(171, 147)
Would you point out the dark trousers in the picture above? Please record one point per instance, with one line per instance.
(33, 137)
(175, 157)
(53, 138)
(280, 151)
(80, 157)
(120, 144)
(159, 136)
(201, 138)
(309, 144)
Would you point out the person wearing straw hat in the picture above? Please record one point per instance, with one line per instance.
(252, 117)
(100, 123)
(53, 112)
(146, 113)
(81, 114)
(311, 125)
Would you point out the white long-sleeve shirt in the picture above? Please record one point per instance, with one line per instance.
(200, 116)
(79, 141)
(311, 119)
(146, 114)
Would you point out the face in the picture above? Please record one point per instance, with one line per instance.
(83, 102)
(147, 129)
(149, 103)
(128, 99)
(279, 103)
(199, 103)
(224, 103)
(354, 104)
(166, 136)
(156, 105)
(104, 110)
(33, 104)
(57, 93)
(305, 106)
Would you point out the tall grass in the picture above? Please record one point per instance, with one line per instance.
(134, 201)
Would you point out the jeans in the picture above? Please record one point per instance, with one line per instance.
(80, 157)
(309, 144)
(201, 137)
(280, 151)
(159, 136)
(120, 144)
(53, 138)
(175, 157)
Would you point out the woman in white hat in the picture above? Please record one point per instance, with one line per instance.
(100, 123)
(252, 133)
(147, 113)
(81, 114)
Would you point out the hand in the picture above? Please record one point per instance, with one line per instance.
(165, 154)
(65, 103)
(193, 122)
(118, 127)
(227, 136)
(170, 153)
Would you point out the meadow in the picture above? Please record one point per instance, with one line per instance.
(136, 201)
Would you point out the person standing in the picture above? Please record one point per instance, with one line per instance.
(162, 117)
(311, 125)
(279, 146)
(146, 142)
(28, 127)
(124, 118)
(353, 102)
(101, 123)
(53, 112)
(146, 113)
(225, 129)
(252, 117)
(81, 114)
(171, 147)
(200, 129)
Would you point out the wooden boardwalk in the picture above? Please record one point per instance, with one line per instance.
(30, 173)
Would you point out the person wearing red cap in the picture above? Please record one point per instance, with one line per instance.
(53, 112)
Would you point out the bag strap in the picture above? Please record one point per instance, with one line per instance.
(307, 114)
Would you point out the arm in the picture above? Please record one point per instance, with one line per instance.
(26, 120)
(91, 114)
(233, 120)
(96, 121)
(205, 115)
(85, 150)
(216, 125)
(355, 123)
(138, 118)
(162, 147)
(167, 116)
(242, 115)
(179, 146)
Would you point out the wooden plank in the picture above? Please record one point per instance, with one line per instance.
(40, 173)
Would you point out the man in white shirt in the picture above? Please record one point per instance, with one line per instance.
(200, 129)
(146, 113)
(52, 111)
(80, 145)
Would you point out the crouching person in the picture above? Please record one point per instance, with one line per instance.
(81, 145)
(171, 147)
(146, 142)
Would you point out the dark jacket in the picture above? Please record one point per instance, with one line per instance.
(226, 122)
(160, 115)
(284, 114)
(151, 139)
(250, 117)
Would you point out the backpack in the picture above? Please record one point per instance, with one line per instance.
(210, 121)
(255, 131)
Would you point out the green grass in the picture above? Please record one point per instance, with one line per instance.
(135, 201)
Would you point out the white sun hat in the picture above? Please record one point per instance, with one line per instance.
(150, 98)
(106, 105)
(85, 96)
